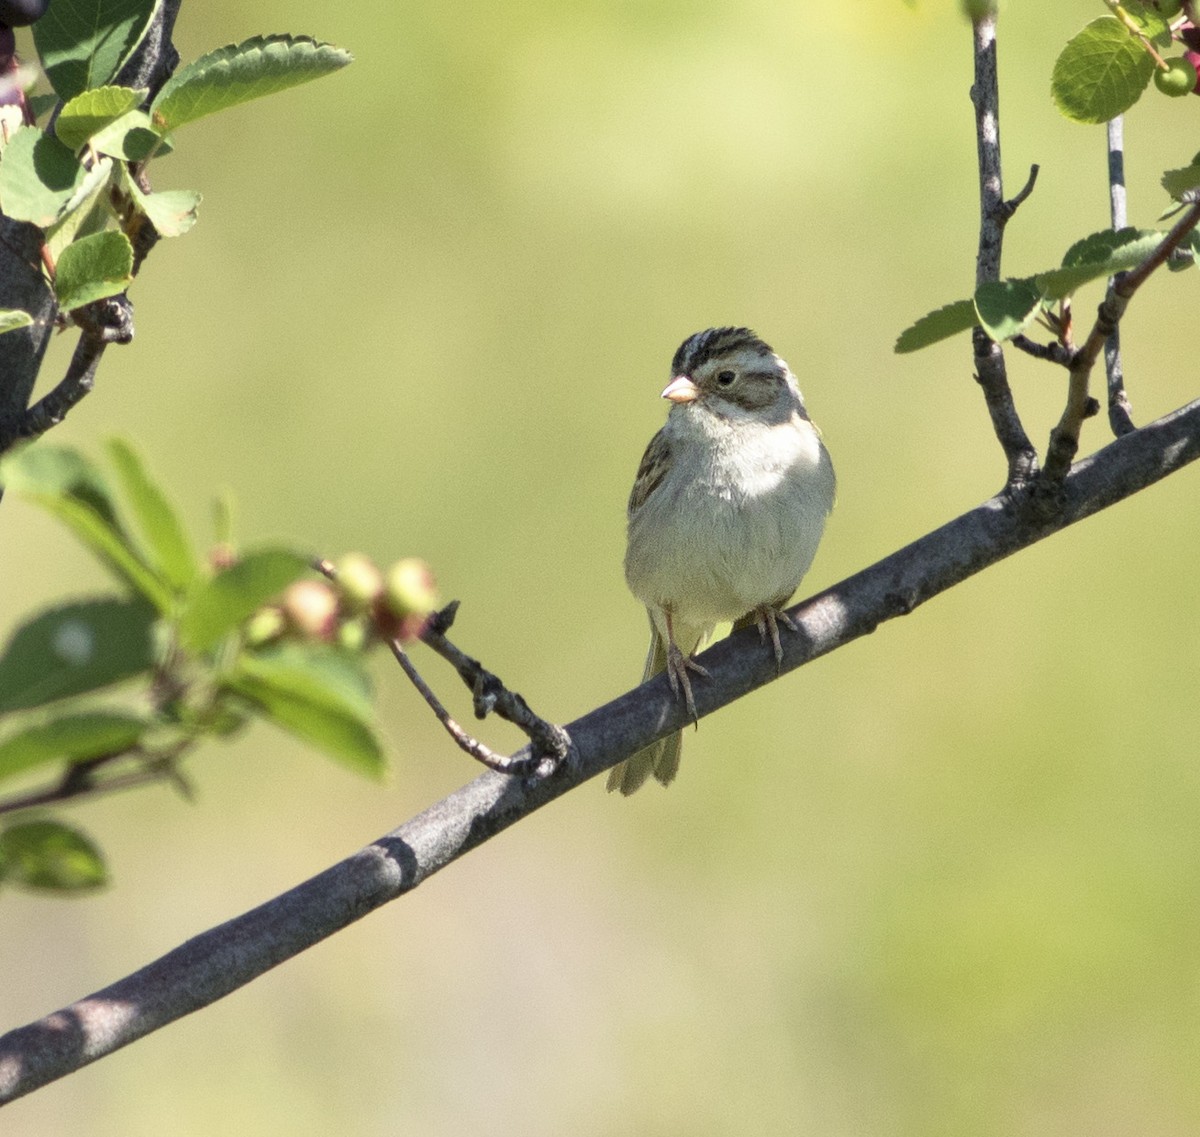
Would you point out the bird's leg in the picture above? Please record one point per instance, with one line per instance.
(678, 666)
(768, 618)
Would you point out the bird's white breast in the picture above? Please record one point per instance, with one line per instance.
(736, 521)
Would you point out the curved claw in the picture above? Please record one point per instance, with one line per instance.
(768, 618)
(678, 666)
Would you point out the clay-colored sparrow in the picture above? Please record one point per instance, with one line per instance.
(726, 513)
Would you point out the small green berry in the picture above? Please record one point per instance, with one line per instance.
(265, 625)
(354, 635)
(1177, 80)
(1168, 9)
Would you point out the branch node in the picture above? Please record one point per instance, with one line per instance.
(1005, 209)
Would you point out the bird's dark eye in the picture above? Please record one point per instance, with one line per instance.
(725, 378)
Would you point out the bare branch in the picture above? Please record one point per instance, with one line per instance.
(101, 323)
(221, 960)
(1120, 416)
(994, 213)
(550, 742)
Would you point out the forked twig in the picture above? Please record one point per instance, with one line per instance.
(1064, 438)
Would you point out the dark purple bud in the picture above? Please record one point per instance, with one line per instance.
(20, 13)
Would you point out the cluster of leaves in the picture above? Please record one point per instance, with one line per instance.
(1105, 68)
(121, 686)
(1100, 73)
(81, 176)
(1005, 308)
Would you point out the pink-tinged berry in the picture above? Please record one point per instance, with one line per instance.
(409, 598)
(311, 608)
(222, 556)
(1193, 57)
(1177, 79)
(411, 588)
(359, 580)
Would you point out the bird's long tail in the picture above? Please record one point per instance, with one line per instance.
(660, 758)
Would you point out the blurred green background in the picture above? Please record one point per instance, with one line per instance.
(941, 882)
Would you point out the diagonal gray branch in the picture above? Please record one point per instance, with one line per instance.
(219, 961)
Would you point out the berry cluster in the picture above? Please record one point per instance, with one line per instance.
(358, 604)
(1179, 75)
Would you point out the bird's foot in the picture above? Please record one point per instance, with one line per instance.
(678, 666)
(767, 619)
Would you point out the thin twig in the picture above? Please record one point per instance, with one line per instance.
(1009, 207)
(472, 746)
(1051, 352)
(1120, 412)
(79, 779)
(550, 744)
(101, 323)
(994, 214)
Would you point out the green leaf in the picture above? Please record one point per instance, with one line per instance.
(92, 268)
(171, 212)
(938, 325)
(57, 471)
(318, 673)
(1178, 182)
(1096, 256)
(217, 606)
(13, 318)
(83, 43)
(319, 695)
(49, 856)
(76, 648)
(1101, 72)
(1006, 308)
(1149, 21)
(66, 484)
(72, 737)
(132, 138)
(165, 539)
(85, 213)
(93, 110)
(38, 176)
(241, 72)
